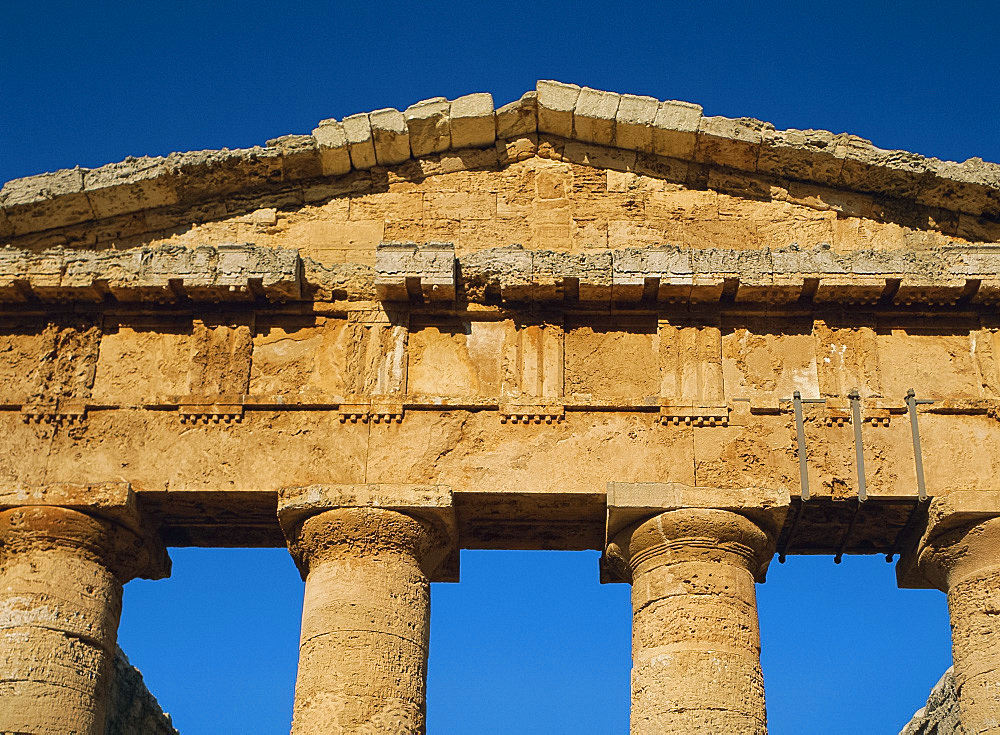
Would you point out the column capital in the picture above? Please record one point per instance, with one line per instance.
(103, 521)
(417, 518)
(672, 518)
(959, 537)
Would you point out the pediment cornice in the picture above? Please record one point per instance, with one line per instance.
(389, 138)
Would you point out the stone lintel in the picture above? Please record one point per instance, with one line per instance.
(945, 513)
(111, 501)
(632, 502)
(430, 502)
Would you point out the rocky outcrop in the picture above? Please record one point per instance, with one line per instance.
(940, 715)
(133, 710)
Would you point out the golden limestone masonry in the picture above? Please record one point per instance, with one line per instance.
(583, 320)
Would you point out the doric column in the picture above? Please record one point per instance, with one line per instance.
(695, 637)
(960, 555)
(366, 612)
(61, 577)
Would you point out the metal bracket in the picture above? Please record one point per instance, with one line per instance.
(859, 451)
(911, 408)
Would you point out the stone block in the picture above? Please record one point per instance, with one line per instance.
(129, 186)
(586, 276)
(406, 270)
(6, 228)
(869, 168)
(675, 129)
(429, 126)
(472, 124)
(806, 155)
(360, 142)
(634, 122)
(200, 175)
(45, 201)
(300, 157)
(392, 141)
(519, 118)
(331, 140)
(504, 271)
(724, 141)
(556, 104)
(594, 116)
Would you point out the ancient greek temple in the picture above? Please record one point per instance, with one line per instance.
(582, 320)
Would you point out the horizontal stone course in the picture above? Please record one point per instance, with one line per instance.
(225, 272)
(387, 137)
(431, 271)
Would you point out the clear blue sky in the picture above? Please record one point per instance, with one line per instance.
(528, 642)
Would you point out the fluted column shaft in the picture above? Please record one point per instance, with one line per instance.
(365, 622)
(695, 637)
(61, 576)
(965, 563)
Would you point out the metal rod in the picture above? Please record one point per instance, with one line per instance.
(911, 408)
(858, 448)
(800, 436)
(847, 534)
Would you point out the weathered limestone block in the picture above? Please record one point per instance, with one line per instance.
(960, 555)
(499, 272)
(360, 142)
(556, 105)
(974, 183)
(428, 270)
(61, 577)
(335, 157)
(695, 636)
(594, 116)
(730, 142)
(518, 118)
(675, 129)
(46, 201)
(366, 612)
(6, 228)
(429, 125)
(472, 124)
(392, 141)
(808, 155)
(200, 175)
(868, 168)
(634, 122)
(300, 157)
(129, 186)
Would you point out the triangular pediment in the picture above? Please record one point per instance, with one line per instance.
(637, 144)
